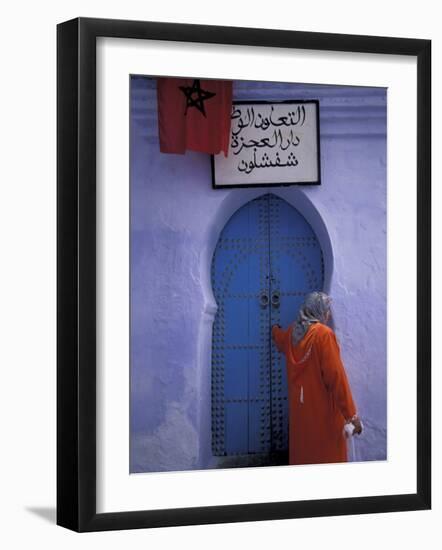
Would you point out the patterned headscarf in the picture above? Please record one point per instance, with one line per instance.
(314, 310)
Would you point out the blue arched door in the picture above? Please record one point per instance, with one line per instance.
(266, 260)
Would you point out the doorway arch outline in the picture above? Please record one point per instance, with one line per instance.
(233, 201)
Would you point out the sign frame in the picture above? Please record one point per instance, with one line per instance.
(316, 102)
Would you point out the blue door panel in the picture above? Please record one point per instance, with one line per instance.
(259, 427)
(237, 421)
(296, 269)
(258, 330)
(236, 374)
(295, 272)
(236, 331)
(256, 376)
(266, 260)
(239, 272)
(286, 221)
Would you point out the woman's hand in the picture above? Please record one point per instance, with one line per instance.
(272, 332)
(356, 421)
(353, 426)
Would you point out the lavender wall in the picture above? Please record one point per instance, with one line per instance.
(176, 218)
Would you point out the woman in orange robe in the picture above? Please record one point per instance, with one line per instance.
(320, 399)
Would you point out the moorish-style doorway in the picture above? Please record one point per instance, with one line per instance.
(266, 259)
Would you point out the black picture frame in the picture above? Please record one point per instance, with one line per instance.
(76, 274)
(276, 184)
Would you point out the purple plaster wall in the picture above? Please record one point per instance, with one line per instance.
(176, 218)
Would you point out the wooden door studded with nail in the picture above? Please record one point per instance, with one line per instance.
(266, 260)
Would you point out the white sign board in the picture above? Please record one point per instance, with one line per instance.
(270, 144)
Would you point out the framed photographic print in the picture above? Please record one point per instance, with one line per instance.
(243, 274)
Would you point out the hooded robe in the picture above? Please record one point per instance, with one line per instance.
(320, 399)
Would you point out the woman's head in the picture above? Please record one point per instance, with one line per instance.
(315, 309)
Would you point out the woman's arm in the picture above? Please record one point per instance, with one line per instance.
(279, 337)
(335, 377)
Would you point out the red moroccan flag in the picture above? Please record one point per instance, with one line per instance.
(194, 114)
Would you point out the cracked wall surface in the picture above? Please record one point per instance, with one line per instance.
(176, 217)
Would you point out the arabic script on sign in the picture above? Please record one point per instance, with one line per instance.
(271, 143)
